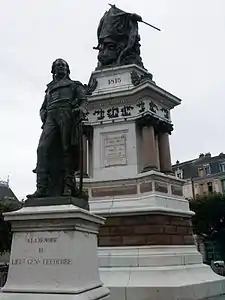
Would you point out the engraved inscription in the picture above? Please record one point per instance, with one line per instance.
(41, 240)
(153, 107)
(166, 113)
(39, 251)
(126, 110)
(114, 150)
(113, 112)
(141, 106)
(100, 114)
(43, 261)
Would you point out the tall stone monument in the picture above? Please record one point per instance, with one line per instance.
(146, 247)
(54, 246)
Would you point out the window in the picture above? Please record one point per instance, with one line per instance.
(201, 189)
(210, 187)
(200, 172)
(207, 169)
(179, 173)
(223, 185)
(222, 167)
(9, 198)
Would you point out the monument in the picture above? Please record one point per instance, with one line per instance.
(54, 246)
(146, 247)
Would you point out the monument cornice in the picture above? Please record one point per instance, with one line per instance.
(156, 92)
(160, 126)
(127, 81)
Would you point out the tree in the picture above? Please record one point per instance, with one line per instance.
(5, 228)
(209, 219)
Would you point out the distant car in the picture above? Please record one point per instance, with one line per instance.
(219, 263)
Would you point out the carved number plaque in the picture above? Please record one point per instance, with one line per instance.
(114, 150)
(113, 81)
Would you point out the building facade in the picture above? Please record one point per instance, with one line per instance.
(203, 175)
(5, 192)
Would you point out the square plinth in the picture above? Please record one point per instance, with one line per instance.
(48, 201)
(54, 251)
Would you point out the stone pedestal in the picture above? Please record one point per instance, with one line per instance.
(146, 247)
(54, 254)
(126, 98)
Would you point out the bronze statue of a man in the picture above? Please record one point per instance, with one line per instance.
(62, 113)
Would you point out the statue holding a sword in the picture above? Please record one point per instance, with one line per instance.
(118, 39)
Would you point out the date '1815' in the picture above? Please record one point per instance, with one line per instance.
(116, 80)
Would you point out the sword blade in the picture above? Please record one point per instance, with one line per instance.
(151, 26)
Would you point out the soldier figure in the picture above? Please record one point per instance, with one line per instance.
(58, 151)
(118, 39)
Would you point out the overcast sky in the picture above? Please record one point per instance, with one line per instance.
(186, 58)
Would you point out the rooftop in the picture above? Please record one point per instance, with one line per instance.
(5, 191)
(204, 165)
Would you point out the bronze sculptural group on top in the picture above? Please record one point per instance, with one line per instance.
(64, 107)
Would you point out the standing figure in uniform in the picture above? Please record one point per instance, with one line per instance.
(62, 112)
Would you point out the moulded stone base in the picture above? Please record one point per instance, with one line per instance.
(172, 283)
(150, 202)
(88, 295)
(158, 273)
(48, 201)
(53, 254)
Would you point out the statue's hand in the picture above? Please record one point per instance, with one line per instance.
(76, 110)
(80, 112)
(83, 110)
(136, 17)
(79, 109)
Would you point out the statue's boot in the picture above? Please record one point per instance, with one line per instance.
(42, 190)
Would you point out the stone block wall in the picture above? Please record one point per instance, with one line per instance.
(146, 230)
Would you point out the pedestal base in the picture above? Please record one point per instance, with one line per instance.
(54, 254)
(88, 295)
(158, 273)
(147, 250)
(49, 201)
